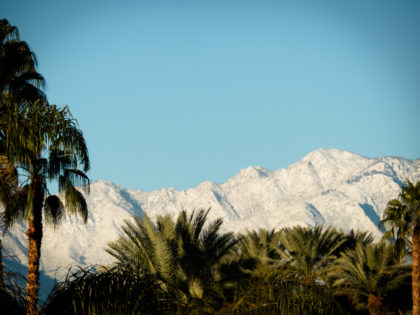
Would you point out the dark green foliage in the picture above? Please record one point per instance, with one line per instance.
(201, 283)
(13, 198)
(307, 251)
(402, 219)
(398, 220)
(284, 272)
(366, 271)
(259, 250)
(114, 291)
(44, 143)
(12, 295)
(192, 262)
(19, 78)
(9, 304)
(401, 216)
(352, 238)
(34, 130)
(282, 294)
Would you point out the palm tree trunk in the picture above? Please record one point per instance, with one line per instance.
(416, 270)
(1, 266)
(374, 304)
(34, 235)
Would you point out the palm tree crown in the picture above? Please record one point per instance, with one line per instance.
(260, 248)
(402, 218)
(18, 76)
(370, 271)
(189, 259)
(309, 250)
(43, 141)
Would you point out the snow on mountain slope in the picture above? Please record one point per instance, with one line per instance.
(327, 186)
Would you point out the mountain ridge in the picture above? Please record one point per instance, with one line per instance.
(327, 186)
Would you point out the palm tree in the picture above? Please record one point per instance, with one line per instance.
(19, 81)
(309, 250)
(400, 231)
(18, 76)
(260, 247)
(368, 271)
(281, 294)
(298, 263)
(288, 265)
(402, 217)
(112, 291)
(192, 261)
(45, 143)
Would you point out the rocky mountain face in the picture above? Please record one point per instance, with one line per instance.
(328, 186)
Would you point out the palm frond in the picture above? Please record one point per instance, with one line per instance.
(189, 260)
(74, 200)
(368, 269)
(12, 196)
(53, 209)
(308, 250)
(114, 291)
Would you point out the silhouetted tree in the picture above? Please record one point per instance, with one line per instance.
(19, 78)
(402, 217)
(45, 142)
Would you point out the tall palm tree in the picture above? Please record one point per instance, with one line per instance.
(188, 259)
(369, 271)
(402, 217)
(45, 143)
(18, 76)
(19, 81)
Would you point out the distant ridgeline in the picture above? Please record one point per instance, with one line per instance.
(328, 186)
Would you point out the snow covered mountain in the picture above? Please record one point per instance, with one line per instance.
(327, 186)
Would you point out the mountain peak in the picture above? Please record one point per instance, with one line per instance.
(325, 155)
(250, 173)
(255, 172)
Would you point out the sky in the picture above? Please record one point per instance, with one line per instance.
(173, 93)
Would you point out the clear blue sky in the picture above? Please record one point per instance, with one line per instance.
(172, 93)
